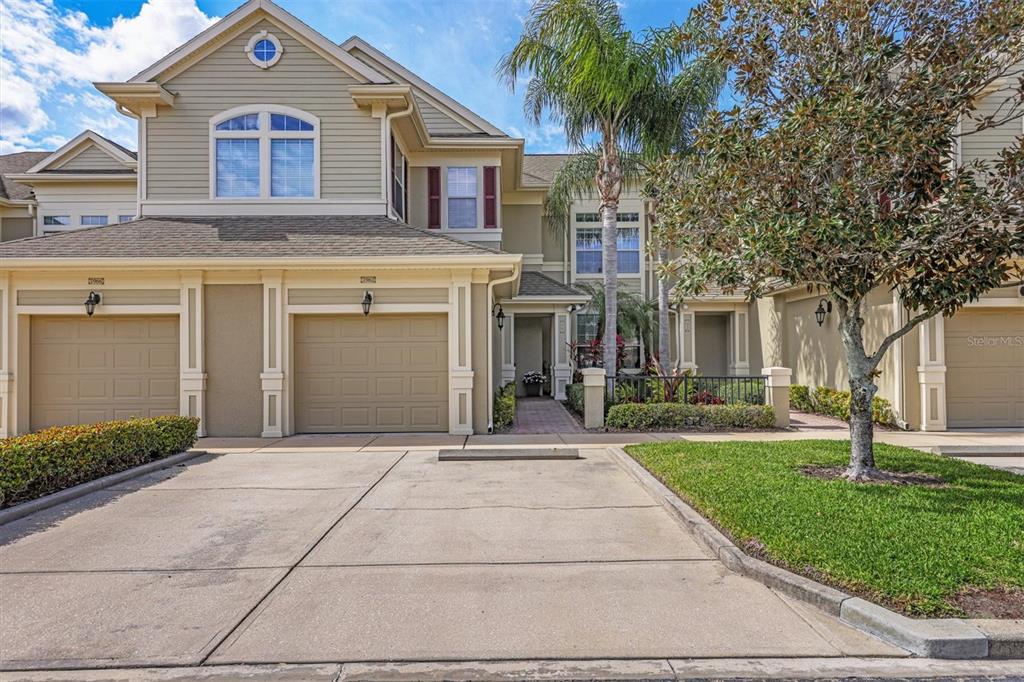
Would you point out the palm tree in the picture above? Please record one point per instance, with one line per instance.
(591, 74)
(634, 318)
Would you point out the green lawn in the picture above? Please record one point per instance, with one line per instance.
(908, 547)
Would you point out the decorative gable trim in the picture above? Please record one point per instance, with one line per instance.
(78, 145)
(429, 91)
(242, 17)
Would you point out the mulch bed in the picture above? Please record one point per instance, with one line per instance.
(883, 477)
(997, 602)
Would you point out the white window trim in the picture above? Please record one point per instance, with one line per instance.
(264, 35)
(479, 233)
(600, 275)
(264, 134)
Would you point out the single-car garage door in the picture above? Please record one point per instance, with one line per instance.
(91, 369)
(985, 368)
(375, 373)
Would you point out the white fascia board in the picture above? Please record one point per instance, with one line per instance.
(431, 91)
(357, 68)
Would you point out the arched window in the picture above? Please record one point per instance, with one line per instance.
(269, 152)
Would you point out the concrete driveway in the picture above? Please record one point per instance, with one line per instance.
(330, 554)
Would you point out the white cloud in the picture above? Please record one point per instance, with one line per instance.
(51, 55)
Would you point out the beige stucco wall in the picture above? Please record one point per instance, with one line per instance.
(15, 228)
(93, 158)
(234, 336)
(815, 354)
(767, 333)
(178, 139)
(521, 228)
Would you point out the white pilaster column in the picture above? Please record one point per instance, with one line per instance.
(561, 367)
(193, 368)
(508, 350)
(931, 374)
(687, 340)
(460, 356)
(272, 378)
(739, 355)
(7, 427)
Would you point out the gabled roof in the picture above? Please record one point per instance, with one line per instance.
(239, 16)
(246, 237)
(425, 90)
(18, 162)
(81, 142)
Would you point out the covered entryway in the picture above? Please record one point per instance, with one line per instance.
(91, 369)
(372, 373)
(985, 368)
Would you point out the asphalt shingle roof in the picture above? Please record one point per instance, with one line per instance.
(17, 163)
(533, 283)
(244, 237)
(540, 169)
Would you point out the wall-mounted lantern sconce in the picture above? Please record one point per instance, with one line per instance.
(823, 309)
(367, 301)
(499, 315)
(91, 301)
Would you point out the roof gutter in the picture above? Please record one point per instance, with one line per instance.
(490, 341)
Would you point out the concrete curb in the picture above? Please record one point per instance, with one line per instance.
(947, 638)
(40, 503)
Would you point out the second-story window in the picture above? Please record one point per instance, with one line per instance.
(265, 154)
(461, 198)
(588, 250)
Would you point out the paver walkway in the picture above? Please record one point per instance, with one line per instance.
(273, 554)
(543, 415)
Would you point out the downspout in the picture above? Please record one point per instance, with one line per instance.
(490, 343)
(388, 161)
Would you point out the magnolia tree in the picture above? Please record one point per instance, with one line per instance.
(838, 168)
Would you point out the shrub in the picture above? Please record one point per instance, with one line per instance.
(47, 461)
(832, 403)
(683, 416)
(505, 406)
(574, 398)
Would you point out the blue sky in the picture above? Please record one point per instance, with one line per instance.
(53, 49)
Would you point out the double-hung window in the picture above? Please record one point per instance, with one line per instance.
(461, 198)
(92, 220)
(266, 154)
(588, 250)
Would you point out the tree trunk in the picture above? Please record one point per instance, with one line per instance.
(610, 268)
(664, 345)
(862, 390)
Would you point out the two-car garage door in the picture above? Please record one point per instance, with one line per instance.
(370, 374)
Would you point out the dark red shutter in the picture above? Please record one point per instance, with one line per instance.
(490, 196)
(434, 196)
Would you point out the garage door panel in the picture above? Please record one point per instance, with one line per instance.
(85, 370)
(985, 368)
(376, 370)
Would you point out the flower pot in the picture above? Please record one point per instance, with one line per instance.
(532, 390)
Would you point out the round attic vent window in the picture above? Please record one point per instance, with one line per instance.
(264, 49)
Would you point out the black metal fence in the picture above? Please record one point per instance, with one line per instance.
(694, 389)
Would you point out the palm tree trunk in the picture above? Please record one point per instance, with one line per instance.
(664, 345)
(610, 268)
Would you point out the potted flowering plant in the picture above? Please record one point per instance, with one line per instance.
(533, 381)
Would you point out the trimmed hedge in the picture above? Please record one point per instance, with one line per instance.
(832, 403)
(684, 416)
(504, 406)
(574, 398)
(53, 459)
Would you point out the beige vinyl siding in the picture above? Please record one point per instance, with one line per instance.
(76, 199)
(93, 158)
(985, 145)
(417, 209)
(437, 122)
(178, 139)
